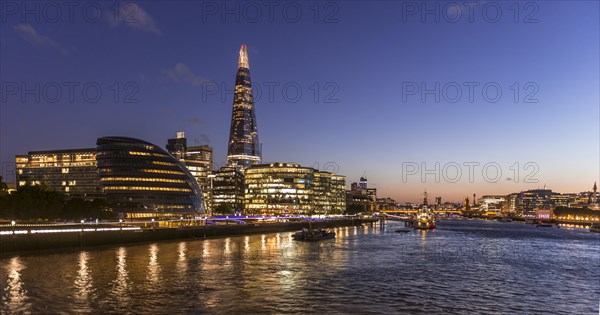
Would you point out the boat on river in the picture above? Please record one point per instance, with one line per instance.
(312, 235)
(595, 227)
(425, 219)
(544, 224)
(504, 219)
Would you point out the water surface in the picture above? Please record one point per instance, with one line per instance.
(463, 267)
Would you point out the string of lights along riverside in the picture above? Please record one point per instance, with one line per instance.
(244, 148)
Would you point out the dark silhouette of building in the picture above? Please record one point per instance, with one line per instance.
(178, 146)
(360, 195)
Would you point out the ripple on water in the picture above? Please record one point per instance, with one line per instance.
(463, 267)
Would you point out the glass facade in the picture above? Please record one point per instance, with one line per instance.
(141, 180)
(290, 189)
(72, 172)
(198, 160)
(330, 193)
(243, 148)
(228, 188)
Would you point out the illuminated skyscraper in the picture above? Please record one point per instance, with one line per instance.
(244, 148)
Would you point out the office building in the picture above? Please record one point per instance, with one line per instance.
(198, 160)
(290, 189)
(491, 203)
(71, 172)
(228, 188)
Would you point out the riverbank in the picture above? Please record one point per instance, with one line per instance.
(42, 242)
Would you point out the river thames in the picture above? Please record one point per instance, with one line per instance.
(463, 267)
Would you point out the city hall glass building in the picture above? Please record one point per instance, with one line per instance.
(141, 180)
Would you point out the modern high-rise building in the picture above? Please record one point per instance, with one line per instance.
(243, 148)
(71, 172)
(198, 160)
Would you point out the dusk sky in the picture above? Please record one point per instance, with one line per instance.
(362, 57)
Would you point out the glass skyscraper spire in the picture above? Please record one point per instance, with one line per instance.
(244, 148)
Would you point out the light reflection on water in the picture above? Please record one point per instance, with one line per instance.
(182, 261)
(83, 284)
(14, 295)
(462, 267)
(120, 286)
(153, 266)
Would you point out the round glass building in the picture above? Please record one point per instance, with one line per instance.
(141, 180)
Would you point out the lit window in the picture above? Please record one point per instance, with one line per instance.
(65, 170)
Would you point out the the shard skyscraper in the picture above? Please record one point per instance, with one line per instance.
(244, 148)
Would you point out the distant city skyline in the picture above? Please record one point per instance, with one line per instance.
(364, 103)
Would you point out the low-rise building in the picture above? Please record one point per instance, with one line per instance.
(386, 204)
(360, 195)
(72, 172)
(291, 189)
(491, 203)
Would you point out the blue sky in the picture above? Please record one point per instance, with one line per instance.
(178, 60)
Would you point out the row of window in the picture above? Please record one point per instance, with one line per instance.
(147, 188)
(142, 179)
